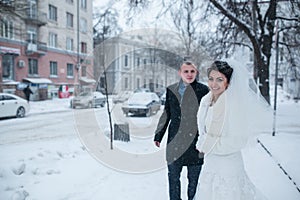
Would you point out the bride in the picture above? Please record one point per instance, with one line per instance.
(229, 115)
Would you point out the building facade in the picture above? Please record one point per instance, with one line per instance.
(130, 64)
(46, 44)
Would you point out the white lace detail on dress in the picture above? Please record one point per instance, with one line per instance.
(215, 187)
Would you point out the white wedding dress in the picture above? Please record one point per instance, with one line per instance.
(223, 177)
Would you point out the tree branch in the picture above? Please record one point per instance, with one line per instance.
(241, 25)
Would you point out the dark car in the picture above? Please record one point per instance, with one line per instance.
(142, 90)
(142, 103)
(88, 100)
(163, 98)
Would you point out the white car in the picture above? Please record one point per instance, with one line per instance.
(13, 106)
(88, 100)
(142, 103)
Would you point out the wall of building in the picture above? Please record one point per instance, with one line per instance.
(58, 54)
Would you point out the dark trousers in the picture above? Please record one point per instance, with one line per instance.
(174, 171)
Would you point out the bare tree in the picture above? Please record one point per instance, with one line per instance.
(106, 25)
(186, 17)
(289, 31)
(252, 24)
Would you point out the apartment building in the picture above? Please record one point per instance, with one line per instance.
(47, 44)
(131, 63)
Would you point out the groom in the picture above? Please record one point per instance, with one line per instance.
(180, 115)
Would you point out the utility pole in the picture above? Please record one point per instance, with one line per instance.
(276, 77)
(78, 52)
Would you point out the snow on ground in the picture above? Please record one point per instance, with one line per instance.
(62, 168)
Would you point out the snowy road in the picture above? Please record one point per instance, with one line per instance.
(37, 127)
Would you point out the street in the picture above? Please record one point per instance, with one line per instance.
(62, 124)
(37, 127)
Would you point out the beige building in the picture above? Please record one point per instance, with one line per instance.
(131, 63)
(46, 44)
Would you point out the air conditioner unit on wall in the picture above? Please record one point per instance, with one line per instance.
(21, 63)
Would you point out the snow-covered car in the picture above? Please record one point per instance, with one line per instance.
(121, 97)
(140, 103)
(13, 106)
(88, 100)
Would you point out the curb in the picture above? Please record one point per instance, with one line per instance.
(49, 112)
(278, 164)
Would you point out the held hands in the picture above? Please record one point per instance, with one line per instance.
(201, 154)
(157, 143)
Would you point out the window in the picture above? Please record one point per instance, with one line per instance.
(32, 35)
(83, 25)
(83, 71)
(83, 4)
(151, 83)
(53, 68)
(70, 1)
(145, 61)
(52, 40)
(8, 66)
(138, 62)
(69, 20)
(32, 66)
(70, 68)
(52, 13)
(126, 83)
(83, 47)
(138, 83)
(69, 46)
(32, 9)
(6, 29)
(126, 61)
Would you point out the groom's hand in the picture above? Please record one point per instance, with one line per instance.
(201, 154)
(157, 143)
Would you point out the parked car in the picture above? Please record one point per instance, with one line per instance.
(142, 90)
(13, 106)
(88, 100)
(163, 98)
(139, 103)
(121, 97)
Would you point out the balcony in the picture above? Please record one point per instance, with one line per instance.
(36, 18)
(39, 48)
(31, 47)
